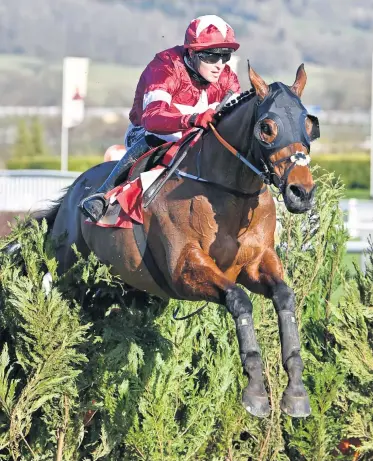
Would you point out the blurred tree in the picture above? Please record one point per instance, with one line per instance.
(38, 145)
(30, 140)
(22, 146)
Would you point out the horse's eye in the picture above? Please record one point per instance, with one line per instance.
(309, 125)
(266, 129)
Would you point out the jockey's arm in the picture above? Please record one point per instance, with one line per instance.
(161, 84)
(157, 116)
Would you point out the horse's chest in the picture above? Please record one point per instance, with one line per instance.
(224, 251)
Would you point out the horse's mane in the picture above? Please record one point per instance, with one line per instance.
(241, 99)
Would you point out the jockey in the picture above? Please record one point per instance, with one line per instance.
(179, 89)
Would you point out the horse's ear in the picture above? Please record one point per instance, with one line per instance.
(260, 86)
(300, 81)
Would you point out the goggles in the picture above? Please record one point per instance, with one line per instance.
(212, 58)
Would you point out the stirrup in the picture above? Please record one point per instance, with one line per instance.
(94, 206)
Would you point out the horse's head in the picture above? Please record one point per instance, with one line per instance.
(283, 133)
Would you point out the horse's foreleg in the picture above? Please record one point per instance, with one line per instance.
(267, 278)
(197, 276)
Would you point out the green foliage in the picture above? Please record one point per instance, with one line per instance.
(22, 145)
(76, 163)
(42, 354)
(29, 142)
(37, 138)
(365, 279)
(337, 350)
(352, 169)
(93, 371)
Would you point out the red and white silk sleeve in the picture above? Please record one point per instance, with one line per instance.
(161, 86)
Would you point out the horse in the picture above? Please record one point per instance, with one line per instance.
(211, 226)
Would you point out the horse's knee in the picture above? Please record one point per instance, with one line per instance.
(283, 298)
(237, 302)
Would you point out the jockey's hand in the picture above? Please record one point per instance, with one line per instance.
(203, 120)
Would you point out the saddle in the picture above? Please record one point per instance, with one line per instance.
(125, 199)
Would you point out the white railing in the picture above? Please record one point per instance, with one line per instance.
(28, 190)
(359, 224)
(359, 214)
(360, 248)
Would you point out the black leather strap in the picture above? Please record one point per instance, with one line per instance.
(192, 119)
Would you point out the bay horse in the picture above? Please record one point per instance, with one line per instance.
(212, 233)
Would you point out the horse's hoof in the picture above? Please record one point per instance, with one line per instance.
(296, 407)
(257, 405)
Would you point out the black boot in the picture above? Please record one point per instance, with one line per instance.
(95, 205)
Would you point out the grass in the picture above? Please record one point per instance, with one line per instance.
(348, 260)
(328, 87)
(361, 194)
(106, 79)
(15, 62)
(110, 82)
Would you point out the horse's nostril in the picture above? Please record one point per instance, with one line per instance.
(298, 191)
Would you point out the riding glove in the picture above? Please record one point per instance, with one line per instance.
(202, 120)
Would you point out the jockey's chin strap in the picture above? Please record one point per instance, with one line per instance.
(267, 176)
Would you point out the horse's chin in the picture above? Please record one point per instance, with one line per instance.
(298, 203)
(297, 208)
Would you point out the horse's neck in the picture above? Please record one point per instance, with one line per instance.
(217, 164)
(237, 127)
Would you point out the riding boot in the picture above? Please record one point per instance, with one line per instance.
(95, 205)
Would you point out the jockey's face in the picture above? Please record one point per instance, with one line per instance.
(209, 71)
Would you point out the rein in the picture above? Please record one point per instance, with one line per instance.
(299, 158)
(263, 176)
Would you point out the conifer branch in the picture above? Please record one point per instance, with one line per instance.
(62, 431)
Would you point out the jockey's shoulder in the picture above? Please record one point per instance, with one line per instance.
(171, 56)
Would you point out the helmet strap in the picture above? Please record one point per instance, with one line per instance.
(192, 66)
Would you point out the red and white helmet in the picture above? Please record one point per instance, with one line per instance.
(209, 31)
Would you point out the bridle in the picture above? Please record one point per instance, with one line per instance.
(284, 109)
(268, 175)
